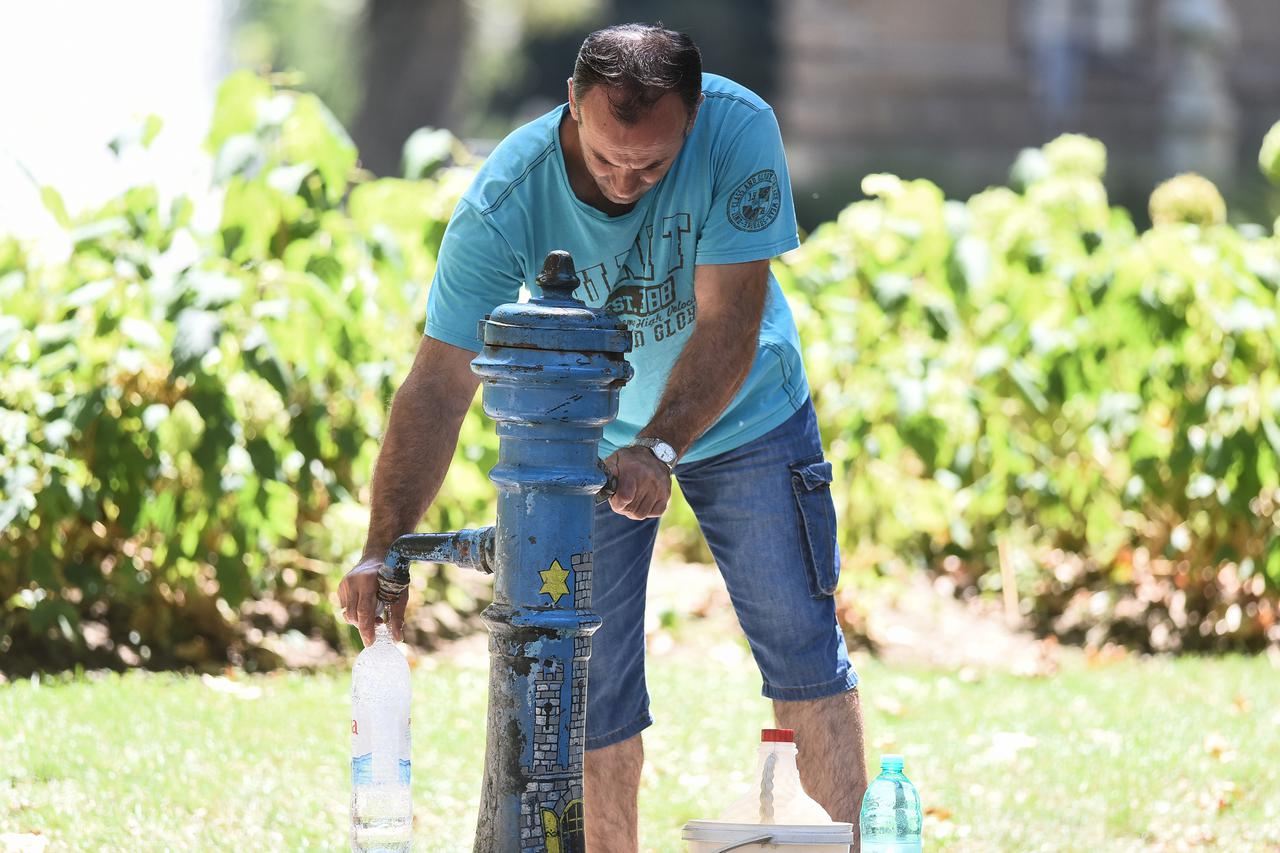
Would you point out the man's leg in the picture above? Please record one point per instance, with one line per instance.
(767, 513)
(611, 783)
(617, 701)
(833, 766)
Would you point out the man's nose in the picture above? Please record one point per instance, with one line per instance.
(635, 179)
(629, 181)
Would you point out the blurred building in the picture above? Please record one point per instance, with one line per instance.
(952, 90)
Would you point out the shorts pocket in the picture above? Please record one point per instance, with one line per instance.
(811, 483)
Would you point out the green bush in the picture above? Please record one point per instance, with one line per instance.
(194, 390)
(190, 412)
(1025, 371)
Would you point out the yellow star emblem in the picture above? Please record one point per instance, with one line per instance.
(553, 582)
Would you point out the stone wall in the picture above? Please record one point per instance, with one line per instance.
(952, 90)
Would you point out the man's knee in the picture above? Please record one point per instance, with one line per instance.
(619, 761)
(838, 710)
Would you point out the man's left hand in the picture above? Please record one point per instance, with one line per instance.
(644, 483)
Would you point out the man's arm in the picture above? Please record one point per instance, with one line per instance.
(422, 433)
(712, 367)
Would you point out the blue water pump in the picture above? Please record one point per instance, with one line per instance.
(552, 369)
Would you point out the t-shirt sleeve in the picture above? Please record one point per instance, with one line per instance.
(752, 215)
(476, 271)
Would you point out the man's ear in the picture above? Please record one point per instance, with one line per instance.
(573, 105)
(688, 128)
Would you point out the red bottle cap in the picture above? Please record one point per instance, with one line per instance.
(777, 736)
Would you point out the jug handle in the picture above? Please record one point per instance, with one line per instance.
(759, 839)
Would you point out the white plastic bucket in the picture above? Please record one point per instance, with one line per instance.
(713, 836)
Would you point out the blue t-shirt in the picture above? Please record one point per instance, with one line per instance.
(726, 199)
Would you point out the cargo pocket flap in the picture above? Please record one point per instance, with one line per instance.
(814, 475)
(811, 482)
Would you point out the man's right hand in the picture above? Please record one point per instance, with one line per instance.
(411, 466)
(358, 597)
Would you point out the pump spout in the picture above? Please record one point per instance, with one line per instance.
(471, 549)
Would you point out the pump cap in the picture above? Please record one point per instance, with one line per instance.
(777, 736)
(555, 320)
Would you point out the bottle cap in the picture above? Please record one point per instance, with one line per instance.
(891, 762)
(777, 736)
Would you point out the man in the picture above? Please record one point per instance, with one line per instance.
(670, 190)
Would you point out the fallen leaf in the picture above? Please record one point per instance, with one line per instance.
(1106, 737)
(1220, 796)
(1108, 655)
(1219, 747)
(660, 643)
(1005, 746)
(938, 812)
(728, 654)
(222, 684)
(884, 742)
(23, 842)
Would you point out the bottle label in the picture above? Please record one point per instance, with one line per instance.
(363, 745)
(362, 770)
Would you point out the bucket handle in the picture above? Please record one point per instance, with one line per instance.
(759, 839)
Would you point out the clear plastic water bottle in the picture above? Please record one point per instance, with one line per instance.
(381, 806)
(891, 818)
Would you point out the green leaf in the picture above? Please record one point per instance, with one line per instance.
(195, 334)
(1269, 155)
(261, 357)
(53, 203)
(251, 215)
(264, 458)
(89, 293)
(1273, 562)
(51, 612)
(1024, 378)
(141, 133)
(236, 108)
(425, 151)
(288, 179)
(233, 578)
(243, 154)
(43, 570)
(151, 126)
(212, 289)
(92, 232)
(312, 135)
(141, 333)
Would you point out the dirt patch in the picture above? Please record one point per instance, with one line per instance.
(908, 622)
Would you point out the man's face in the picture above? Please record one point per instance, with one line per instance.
(625, 161)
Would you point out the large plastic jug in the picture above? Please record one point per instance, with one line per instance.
(775, 813)
(776, 795)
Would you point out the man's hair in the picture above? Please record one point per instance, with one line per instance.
(639, 63)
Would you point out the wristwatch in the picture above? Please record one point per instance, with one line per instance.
(666, 453)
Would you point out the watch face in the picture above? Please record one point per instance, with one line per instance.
(666, 453)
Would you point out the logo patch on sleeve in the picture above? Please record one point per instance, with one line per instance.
(754, 205)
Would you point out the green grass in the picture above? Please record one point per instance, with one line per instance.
(1136, 755)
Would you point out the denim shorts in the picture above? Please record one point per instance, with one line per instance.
(765, 509)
